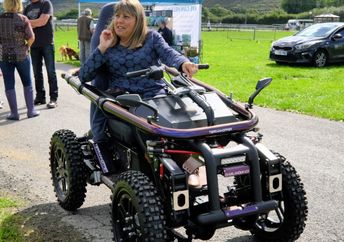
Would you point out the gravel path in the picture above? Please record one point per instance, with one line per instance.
(313, 145)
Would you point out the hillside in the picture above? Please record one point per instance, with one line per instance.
(67, 5)
(260, 5)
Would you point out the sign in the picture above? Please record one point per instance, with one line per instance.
(186, 27)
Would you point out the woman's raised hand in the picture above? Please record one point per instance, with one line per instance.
(105, 40)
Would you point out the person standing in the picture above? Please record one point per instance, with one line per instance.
(165, 32)
(16, 37)
(85, 29)
(40, 14)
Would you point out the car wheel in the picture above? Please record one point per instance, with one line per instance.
(320, 58)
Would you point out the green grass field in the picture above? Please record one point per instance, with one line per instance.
(9, 230)
(66, 36)
(237, 63)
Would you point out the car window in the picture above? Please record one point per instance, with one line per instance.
(317, 30)
(341, 32)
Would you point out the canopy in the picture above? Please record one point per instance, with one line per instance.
(149, 2)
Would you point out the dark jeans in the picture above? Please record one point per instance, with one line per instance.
(23, 68)
(48, 54)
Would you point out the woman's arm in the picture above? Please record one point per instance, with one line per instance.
(98, 57)
(30, 41)
(29, 34)
(88, 70)
(171, 57)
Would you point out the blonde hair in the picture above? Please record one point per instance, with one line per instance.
(13, 6)
(134, 8)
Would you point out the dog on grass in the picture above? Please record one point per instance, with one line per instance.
(68, 53)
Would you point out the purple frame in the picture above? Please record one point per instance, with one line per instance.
(152, 128)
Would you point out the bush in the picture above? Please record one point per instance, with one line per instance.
(71, 14)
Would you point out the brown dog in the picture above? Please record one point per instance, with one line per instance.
(68, 53)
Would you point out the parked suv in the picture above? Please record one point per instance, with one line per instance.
(318, 44)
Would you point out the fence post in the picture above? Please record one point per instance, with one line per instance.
(254, 33)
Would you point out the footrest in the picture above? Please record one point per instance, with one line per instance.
(223, 215)
(257, 208)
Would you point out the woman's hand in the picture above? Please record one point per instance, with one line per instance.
(189, 68)
(105, 40)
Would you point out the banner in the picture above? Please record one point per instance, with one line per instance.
(186, 25)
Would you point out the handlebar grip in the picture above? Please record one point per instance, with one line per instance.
(137, 73)
(203, 66)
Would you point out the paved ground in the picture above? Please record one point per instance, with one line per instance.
(313, 145)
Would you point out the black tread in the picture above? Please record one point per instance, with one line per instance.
(144, 194)
(74, 197)
(296, 210)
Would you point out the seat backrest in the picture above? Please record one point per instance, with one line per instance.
(105, 17)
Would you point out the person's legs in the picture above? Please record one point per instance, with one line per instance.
(101, 140)
(36, 56)
(87, 49)
(82, 54)
(49, 59)
(8, 75)
(24, 71)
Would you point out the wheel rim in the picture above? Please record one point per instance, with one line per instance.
(273, 220)
(127, 219)
(61, 174)
(320, 59)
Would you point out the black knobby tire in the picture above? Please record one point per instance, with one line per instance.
(292, 210)
(137, 212)
(320, 58)
(68, 171)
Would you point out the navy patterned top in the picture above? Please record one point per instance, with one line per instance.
(119, 60)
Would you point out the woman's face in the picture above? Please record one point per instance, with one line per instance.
(124, 24)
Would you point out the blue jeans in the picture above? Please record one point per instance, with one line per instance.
(23, 68)
(48, 54)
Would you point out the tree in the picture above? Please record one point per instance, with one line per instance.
(219, 11)
(298, 6)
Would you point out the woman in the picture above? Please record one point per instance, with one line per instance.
(127, 45)
(16, 37)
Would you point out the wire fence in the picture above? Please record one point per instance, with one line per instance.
(248, 31)
(234, 31)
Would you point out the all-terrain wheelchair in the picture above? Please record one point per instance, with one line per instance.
(191, 159)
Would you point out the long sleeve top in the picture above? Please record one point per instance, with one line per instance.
(15, 30)
(119, 60)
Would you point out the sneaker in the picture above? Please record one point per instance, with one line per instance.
(52, 104)
(39, 101)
